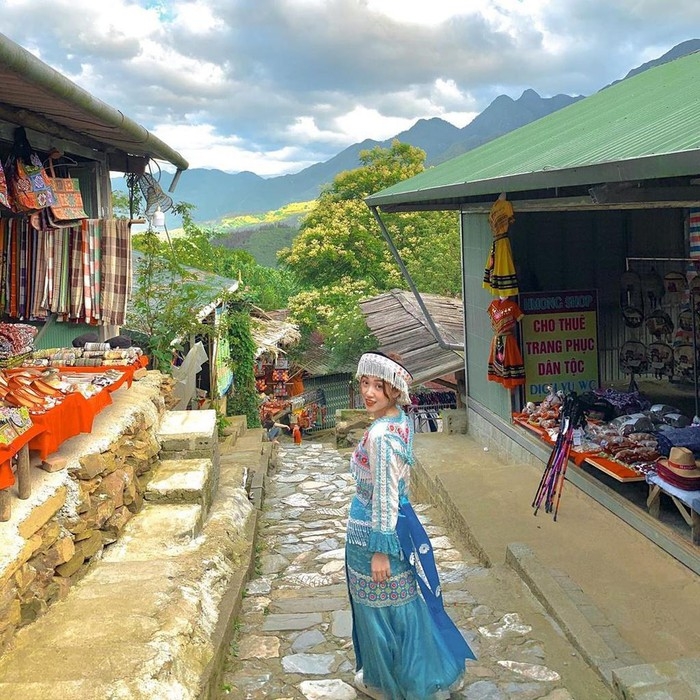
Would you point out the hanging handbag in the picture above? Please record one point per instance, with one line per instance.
(69, 206)
(29, 186)
(27, 182)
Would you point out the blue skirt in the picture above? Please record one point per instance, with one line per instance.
(397, 644)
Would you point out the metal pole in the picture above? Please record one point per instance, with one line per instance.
(406, 275)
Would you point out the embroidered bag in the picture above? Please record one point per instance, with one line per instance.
(27, 182)
(29, 186)
(69, 206)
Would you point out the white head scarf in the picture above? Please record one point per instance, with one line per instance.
(375, 364)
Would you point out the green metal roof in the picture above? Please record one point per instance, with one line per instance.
(647, 126)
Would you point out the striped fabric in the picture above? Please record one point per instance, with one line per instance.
(116, 270)
(80, 273)
(36, 310)
(77, 283)
(91, 269)
(694, 233)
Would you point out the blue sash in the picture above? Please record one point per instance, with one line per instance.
(416, 546)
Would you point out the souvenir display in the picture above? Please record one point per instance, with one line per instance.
(663, 330)
(652, 286)
(499, 274)
(505, 364)
(39, 390)
(631, 298)
(660, 359)
(633, 357)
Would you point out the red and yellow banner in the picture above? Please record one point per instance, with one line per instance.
(560, 342)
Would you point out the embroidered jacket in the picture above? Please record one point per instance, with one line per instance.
(381, 465)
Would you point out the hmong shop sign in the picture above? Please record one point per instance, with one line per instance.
(560, 342)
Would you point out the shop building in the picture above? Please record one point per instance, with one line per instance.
(66, 260)
(604, 239)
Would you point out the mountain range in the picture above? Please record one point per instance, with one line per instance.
(217, 194)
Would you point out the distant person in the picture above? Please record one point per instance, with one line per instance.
(296, 434)
(406, 646)
(274, 429)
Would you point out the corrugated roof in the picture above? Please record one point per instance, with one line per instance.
(36, 96)
(399, 325)
(647, 126)
(209, 288)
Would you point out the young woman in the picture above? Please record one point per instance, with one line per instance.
(406, 646)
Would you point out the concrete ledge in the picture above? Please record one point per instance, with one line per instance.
(433, 490)
(678, 679)
(578, 630)
(257, 488)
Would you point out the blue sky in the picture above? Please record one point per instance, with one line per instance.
(273, 86)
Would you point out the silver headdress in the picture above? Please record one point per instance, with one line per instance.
(373, 364)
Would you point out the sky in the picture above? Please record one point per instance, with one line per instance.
(274, 86)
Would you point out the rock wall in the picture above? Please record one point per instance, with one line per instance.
(74, 514)
(350, 425)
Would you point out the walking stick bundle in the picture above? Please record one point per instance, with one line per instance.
(552, 482)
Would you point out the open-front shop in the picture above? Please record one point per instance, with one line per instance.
(580, 268)
(65, 261)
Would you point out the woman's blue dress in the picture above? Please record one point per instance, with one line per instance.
(405, 643)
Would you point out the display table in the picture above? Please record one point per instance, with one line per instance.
(74, 415)
(687, 502)
(616, 470)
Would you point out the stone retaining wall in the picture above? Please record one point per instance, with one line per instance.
(73, 514)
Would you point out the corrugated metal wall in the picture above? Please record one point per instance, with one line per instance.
(336, 395)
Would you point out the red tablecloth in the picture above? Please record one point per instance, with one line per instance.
(7, 452)
(74, 415)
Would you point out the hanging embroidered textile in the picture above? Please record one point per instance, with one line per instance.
(80, 273)
(505, 361)
(499, 273)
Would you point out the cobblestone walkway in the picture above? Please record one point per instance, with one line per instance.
(293, 638)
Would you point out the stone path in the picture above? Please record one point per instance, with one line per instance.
(293, 637)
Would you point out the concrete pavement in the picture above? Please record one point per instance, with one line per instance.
(293, 636)
(620, 599)
(153, 621)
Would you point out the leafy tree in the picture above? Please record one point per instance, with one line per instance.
(341, 256)
(243, 399)
(334, 313)
(164, 301)
(340, 237)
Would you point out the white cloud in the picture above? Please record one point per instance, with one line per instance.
(420, 12)
(272, 86)
(203, 147)
(197, 17)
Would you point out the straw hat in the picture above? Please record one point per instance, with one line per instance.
(681, 461)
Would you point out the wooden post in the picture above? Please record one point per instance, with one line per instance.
(654, 500)
(24, 479)
(5, 505)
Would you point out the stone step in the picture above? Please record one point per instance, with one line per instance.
(85, 689)
(158, 532)
(237, 426)
(178, 481)
(189, 431)
(251, 440)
